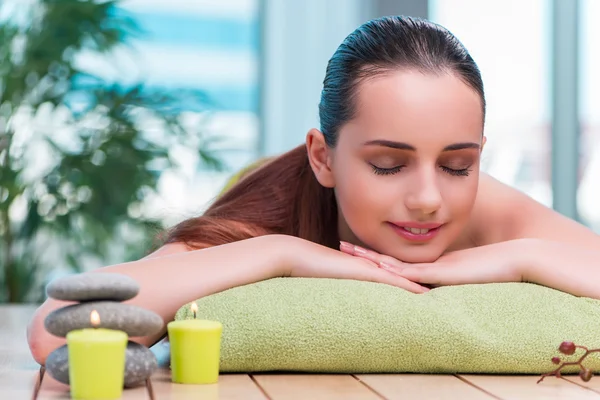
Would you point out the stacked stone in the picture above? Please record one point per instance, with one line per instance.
(104, 293)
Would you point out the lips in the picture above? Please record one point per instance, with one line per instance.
(416, 232)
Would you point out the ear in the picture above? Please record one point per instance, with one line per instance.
(483, 141)
(319, 157)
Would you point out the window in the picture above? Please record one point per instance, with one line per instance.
(209, 48)
(589, 92)
(510, 41)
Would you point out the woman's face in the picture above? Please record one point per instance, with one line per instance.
(406, 168)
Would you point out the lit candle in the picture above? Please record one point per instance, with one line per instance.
(96, 361)
(195, 350)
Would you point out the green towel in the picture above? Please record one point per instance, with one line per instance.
(348, 326)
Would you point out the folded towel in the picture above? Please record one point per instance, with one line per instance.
(347, 326)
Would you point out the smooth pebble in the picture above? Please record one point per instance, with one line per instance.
(133, 320)
(93, 286)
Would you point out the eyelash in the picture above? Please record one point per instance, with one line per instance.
(457, 172)
(395, 170)
(386, 171)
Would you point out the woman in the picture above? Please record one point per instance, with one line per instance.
(391, 179)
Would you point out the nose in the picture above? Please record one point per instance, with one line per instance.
(423, 195)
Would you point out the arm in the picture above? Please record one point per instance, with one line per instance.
(552, 250)
(173, 276)
(567, 267)
(524, 240)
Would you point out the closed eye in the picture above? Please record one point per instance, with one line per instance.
(386, 171)
(456, 172)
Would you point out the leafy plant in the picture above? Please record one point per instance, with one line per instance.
(78, 155)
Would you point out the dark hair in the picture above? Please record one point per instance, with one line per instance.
(283, 196)
(384, 45)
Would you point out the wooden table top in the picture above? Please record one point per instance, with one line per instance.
(19, 375)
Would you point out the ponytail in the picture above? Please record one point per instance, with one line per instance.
(280, 197)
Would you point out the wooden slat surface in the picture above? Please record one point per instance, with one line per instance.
(18, 374)
(54, 390)
(593, 384)
(525, 387)
(230, 387)
(314, 387)
(418, 386)
(17, 385)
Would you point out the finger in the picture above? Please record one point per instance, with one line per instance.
(359, 252)
(393, 278)
(391, 263)
(375, 273)
(346, 247)
(382, 261)
(386, 262)
(404, 283)
(382, 276)
(439, 274)
(427, 275)
(408, 285)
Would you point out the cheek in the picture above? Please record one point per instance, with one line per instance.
(459, 199)
(363, 199)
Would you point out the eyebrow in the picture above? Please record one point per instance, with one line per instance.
(406, 146)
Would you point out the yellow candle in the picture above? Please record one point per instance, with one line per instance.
(195, 350)
(96, 363)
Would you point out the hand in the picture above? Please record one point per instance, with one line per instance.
(497, 262)
(308, 259)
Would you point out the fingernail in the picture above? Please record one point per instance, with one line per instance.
(347, 247)
(359, 251)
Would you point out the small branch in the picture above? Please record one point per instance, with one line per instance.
(150, 389)
(38, 383)
(568, 348)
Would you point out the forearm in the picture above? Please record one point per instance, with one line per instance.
(563, 266)
(170, 281)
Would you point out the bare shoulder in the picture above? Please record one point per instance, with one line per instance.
(503, 213)
(168, 249)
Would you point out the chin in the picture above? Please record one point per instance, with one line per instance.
(418, 255)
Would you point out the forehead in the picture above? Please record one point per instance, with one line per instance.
(417, 108)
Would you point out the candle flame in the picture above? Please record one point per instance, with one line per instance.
(194, 308)
(95, 318)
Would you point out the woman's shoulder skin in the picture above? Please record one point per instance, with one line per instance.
(502, 213)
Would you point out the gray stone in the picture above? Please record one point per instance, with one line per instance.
(57, 364)
(133, 320)
(93, 286)
(140, 363)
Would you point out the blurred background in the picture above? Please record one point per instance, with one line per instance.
(121, 118)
